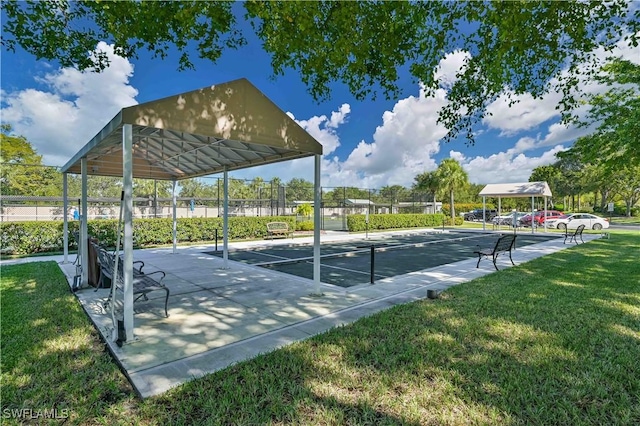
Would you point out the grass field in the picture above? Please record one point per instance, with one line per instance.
(552, 341)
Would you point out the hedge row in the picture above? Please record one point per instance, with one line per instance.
(357, 223)
(42, 237)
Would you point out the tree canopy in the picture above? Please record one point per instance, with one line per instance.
(513, 47)
(21, 169)
(451, 177)
(616, 140)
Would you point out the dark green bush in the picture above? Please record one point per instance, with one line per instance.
(41, 237)
(357, 223)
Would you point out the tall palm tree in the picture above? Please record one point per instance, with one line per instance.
(428, 182)
(451, 177)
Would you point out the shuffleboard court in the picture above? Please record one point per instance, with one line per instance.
(348, 263)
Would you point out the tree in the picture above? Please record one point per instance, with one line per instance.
(451, 177)
(515, 47)
(300, 190)
(150, 188)
(616, 141)
(393, 194)
(428, 182)
(70, 31)
(22, 171)
(627, 182)
(305, 210)
(550, 174)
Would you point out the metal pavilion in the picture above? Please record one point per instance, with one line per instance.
(215, 129)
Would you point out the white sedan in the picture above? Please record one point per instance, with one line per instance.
(572, 221)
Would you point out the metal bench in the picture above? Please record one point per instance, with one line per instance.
(504, 244)
(573, 236)
(275, 229)
(143, 283)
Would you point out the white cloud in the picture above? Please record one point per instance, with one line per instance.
(526, 114)
(504, 167)
(402, 147)
(58, 122)
(323, 129)
(448, 68)
(405, 143)
(340, 116)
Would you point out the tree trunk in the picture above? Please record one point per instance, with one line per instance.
(453, 209)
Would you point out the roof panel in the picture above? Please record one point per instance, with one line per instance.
(524, 189)
(231, 125)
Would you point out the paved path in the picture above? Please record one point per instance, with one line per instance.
(220, 316)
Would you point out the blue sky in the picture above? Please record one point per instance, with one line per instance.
(368, 144)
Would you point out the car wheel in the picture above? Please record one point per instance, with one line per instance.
(562, 226)
(597, 226)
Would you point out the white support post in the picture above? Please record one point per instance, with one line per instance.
(484, 208)
(317, 199)
(127, 246)
(174, 206)
(84, 249)
(499, 211)
(65, 220)
(225, 220)
(533, 222)
(545, 213)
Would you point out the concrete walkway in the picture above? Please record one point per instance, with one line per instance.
(218, 317)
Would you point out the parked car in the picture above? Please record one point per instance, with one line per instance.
(507, 219)
(477, 214)
(572, 221)
(540, 218)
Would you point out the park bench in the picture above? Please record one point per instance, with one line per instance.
(275, 229)
(573, 235)
(504, 244)
(143, 283)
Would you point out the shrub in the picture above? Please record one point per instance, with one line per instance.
(306, 225)
(40, 237)
(357, 223)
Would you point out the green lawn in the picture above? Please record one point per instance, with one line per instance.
(621, 220)
(552, 341)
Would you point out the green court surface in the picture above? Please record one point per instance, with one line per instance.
(348, 263)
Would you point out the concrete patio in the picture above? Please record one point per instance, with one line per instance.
(218, 317)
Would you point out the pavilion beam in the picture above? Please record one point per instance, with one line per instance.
(484, 208)
(127, 245)
(317, 199)
(532, 214)
(65, 219)
(84, 249)
(174, 209)
(225, 220)
(545, 213)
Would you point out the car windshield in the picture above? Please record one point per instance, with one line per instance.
(564, 216)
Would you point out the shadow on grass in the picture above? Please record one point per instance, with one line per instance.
(52, 357)
(553, 341)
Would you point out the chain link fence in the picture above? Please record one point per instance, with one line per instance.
(34, 193)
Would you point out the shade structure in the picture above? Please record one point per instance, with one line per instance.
(521, 189)
(227, 126)
(524, 189)
(215, 129)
